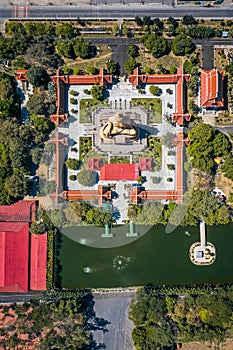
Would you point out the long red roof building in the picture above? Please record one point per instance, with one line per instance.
(14, 257)
(23, 257)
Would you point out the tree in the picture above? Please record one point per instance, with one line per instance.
(66, 30)
(227, 168)
(130, 65)
(188, 67)
(65, 48)
(173, 69)
(92, 70)
(37, 228)
(82, 48)
(36, 105)
(97, 92)
(182, 45)
(72, 163)
(14, 28)
(168, 139)
(133, 51)
(154, 90)
(188, 20)
(37, 76)
(138, 21)
(206, 144)
(49, 187)
(161, 321)
(40, 123)
(36, 155)
(113, 68)
(87, 177)
(148, 70)
(157, 45)
(16, 185)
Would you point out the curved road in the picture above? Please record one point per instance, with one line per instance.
(113, 308)
(112, 11)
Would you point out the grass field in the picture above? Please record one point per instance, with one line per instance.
(99, 61)
(154, 107)
(87, 106)
(148, 60)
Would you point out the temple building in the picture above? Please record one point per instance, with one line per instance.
(211, 88)
(23, 256)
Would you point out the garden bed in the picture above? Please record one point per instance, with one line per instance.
(87, 106)
(119, 160)
(85, 146)
(154, 150)
(153, 106)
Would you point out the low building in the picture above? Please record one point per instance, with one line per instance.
(23, 257)
(211, 89)
(127, 172)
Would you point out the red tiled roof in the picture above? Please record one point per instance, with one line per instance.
(211, 89)
(138, 79)
(38, 262)
(94, 163)
(145, 164)
(14, 256)
(116, 172)
(22, 210)
(21, 74)
(83, 79)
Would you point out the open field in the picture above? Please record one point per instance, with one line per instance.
(103, 54)
(228, 345)
(148, 60)
(224, 183)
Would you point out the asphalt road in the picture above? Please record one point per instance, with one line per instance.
(21, 297)
(112, 11)
(113, 309)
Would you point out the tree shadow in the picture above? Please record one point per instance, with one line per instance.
(94, 323)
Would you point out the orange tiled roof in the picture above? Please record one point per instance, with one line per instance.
(211, 88)
(21, 74)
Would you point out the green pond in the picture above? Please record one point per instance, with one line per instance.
(155, 257)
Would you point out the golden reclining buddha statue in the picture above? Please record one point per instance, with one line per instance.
(117, 126)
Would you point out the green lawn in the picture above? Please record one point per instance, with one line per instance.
(85, 146)
(153, 150)
(153, 106)
(87, 106)
(119, 160)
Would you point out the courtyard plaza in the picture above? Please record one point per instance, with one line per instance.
(120, 97)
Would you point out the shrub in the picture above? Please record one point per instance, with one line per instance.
(76, 71)
(170, 166)
(67, 70)
(156, 179)
(86, 91)
(72, 163)
(87, 177)
(154, 90)
(169, 179)
(73, 93)
(73, 101)
(73, 177)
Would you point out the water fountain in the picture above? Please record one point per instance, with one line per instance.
(87, 269)
(131, 232)
(120, 262)
(107, 233)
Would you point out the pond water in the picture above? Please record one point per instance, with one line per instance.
(156, 258)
